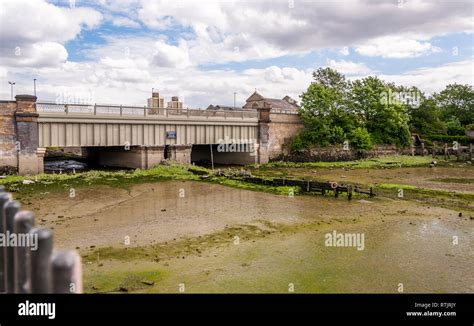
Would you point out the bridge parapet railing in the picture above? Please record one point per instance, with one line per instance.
(120, 110)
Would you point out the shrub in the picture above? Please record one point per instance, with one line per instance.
(454, 127)
(449, 139)
(360, 140)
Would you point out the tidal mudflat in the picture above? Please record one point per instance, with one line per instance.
(172, 236)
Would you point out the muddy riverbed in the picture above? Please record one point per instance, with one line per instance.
(157, 237)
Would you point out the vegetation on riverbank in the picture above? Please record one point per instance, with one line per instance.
(391, 161)
(369, 111)
(24, 186)
(122, 178)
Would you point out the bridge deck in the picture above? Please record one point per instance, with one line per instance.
(96, 125)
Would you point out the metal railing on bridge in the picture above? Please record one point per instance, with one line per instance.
(121, 110)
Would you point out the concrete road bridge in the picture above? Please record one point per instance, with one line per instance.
(140, 137)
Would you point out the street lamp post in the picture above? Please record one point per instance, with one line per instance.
(11, 87)
(234, 99)
(34, 85)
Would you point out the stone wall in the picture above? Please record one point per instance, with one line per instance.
(336, 153)
(8, 153)
(19, 136)
(276, 130)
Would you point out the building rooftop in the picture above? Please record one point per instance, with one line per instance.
(286, 103)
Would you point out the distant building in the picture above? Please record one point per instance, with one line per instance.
(256, 101)
(159, 102)
(156, 101)
(175, 103)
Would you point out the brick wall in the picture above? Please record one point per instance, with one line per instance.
(8, 157)
(18, 125)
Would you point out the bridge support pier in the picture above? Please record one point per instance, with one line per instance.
(30, 158)
(136, 157)
(179, 153)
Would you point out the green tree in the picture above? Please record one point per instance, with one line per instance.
(360, 140)
(324, 110)
(457, 101)
(385, 118)
(454, 127)
(426, 119)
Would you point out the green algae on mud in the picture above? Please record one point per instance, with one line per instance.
(442, 198)
(121, 179)
(46, 183)
(295, 254)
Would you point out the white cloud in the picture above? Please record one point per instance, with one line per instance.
(398, 47)
(268, 29)
(171, 56)
(434, 79)
(38, 31)
(125, 22)
(349, 67)
(41, 54)
(36, 20)
(125, 68)
(344, 51)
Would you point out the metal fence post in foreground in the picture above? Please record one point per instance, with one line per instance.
(24, 222)
(4, 198)
(67, 272)
(41, 261)
(10, 210)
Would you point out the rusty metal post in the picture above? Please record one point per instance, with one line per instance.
(41, 261)
(10, 210)
(24, 222)
(67, 272)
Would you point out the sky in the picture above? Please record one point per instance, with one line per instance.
(115, 52)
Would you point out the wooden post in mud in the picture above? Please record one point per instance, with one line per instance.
(349, 192)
